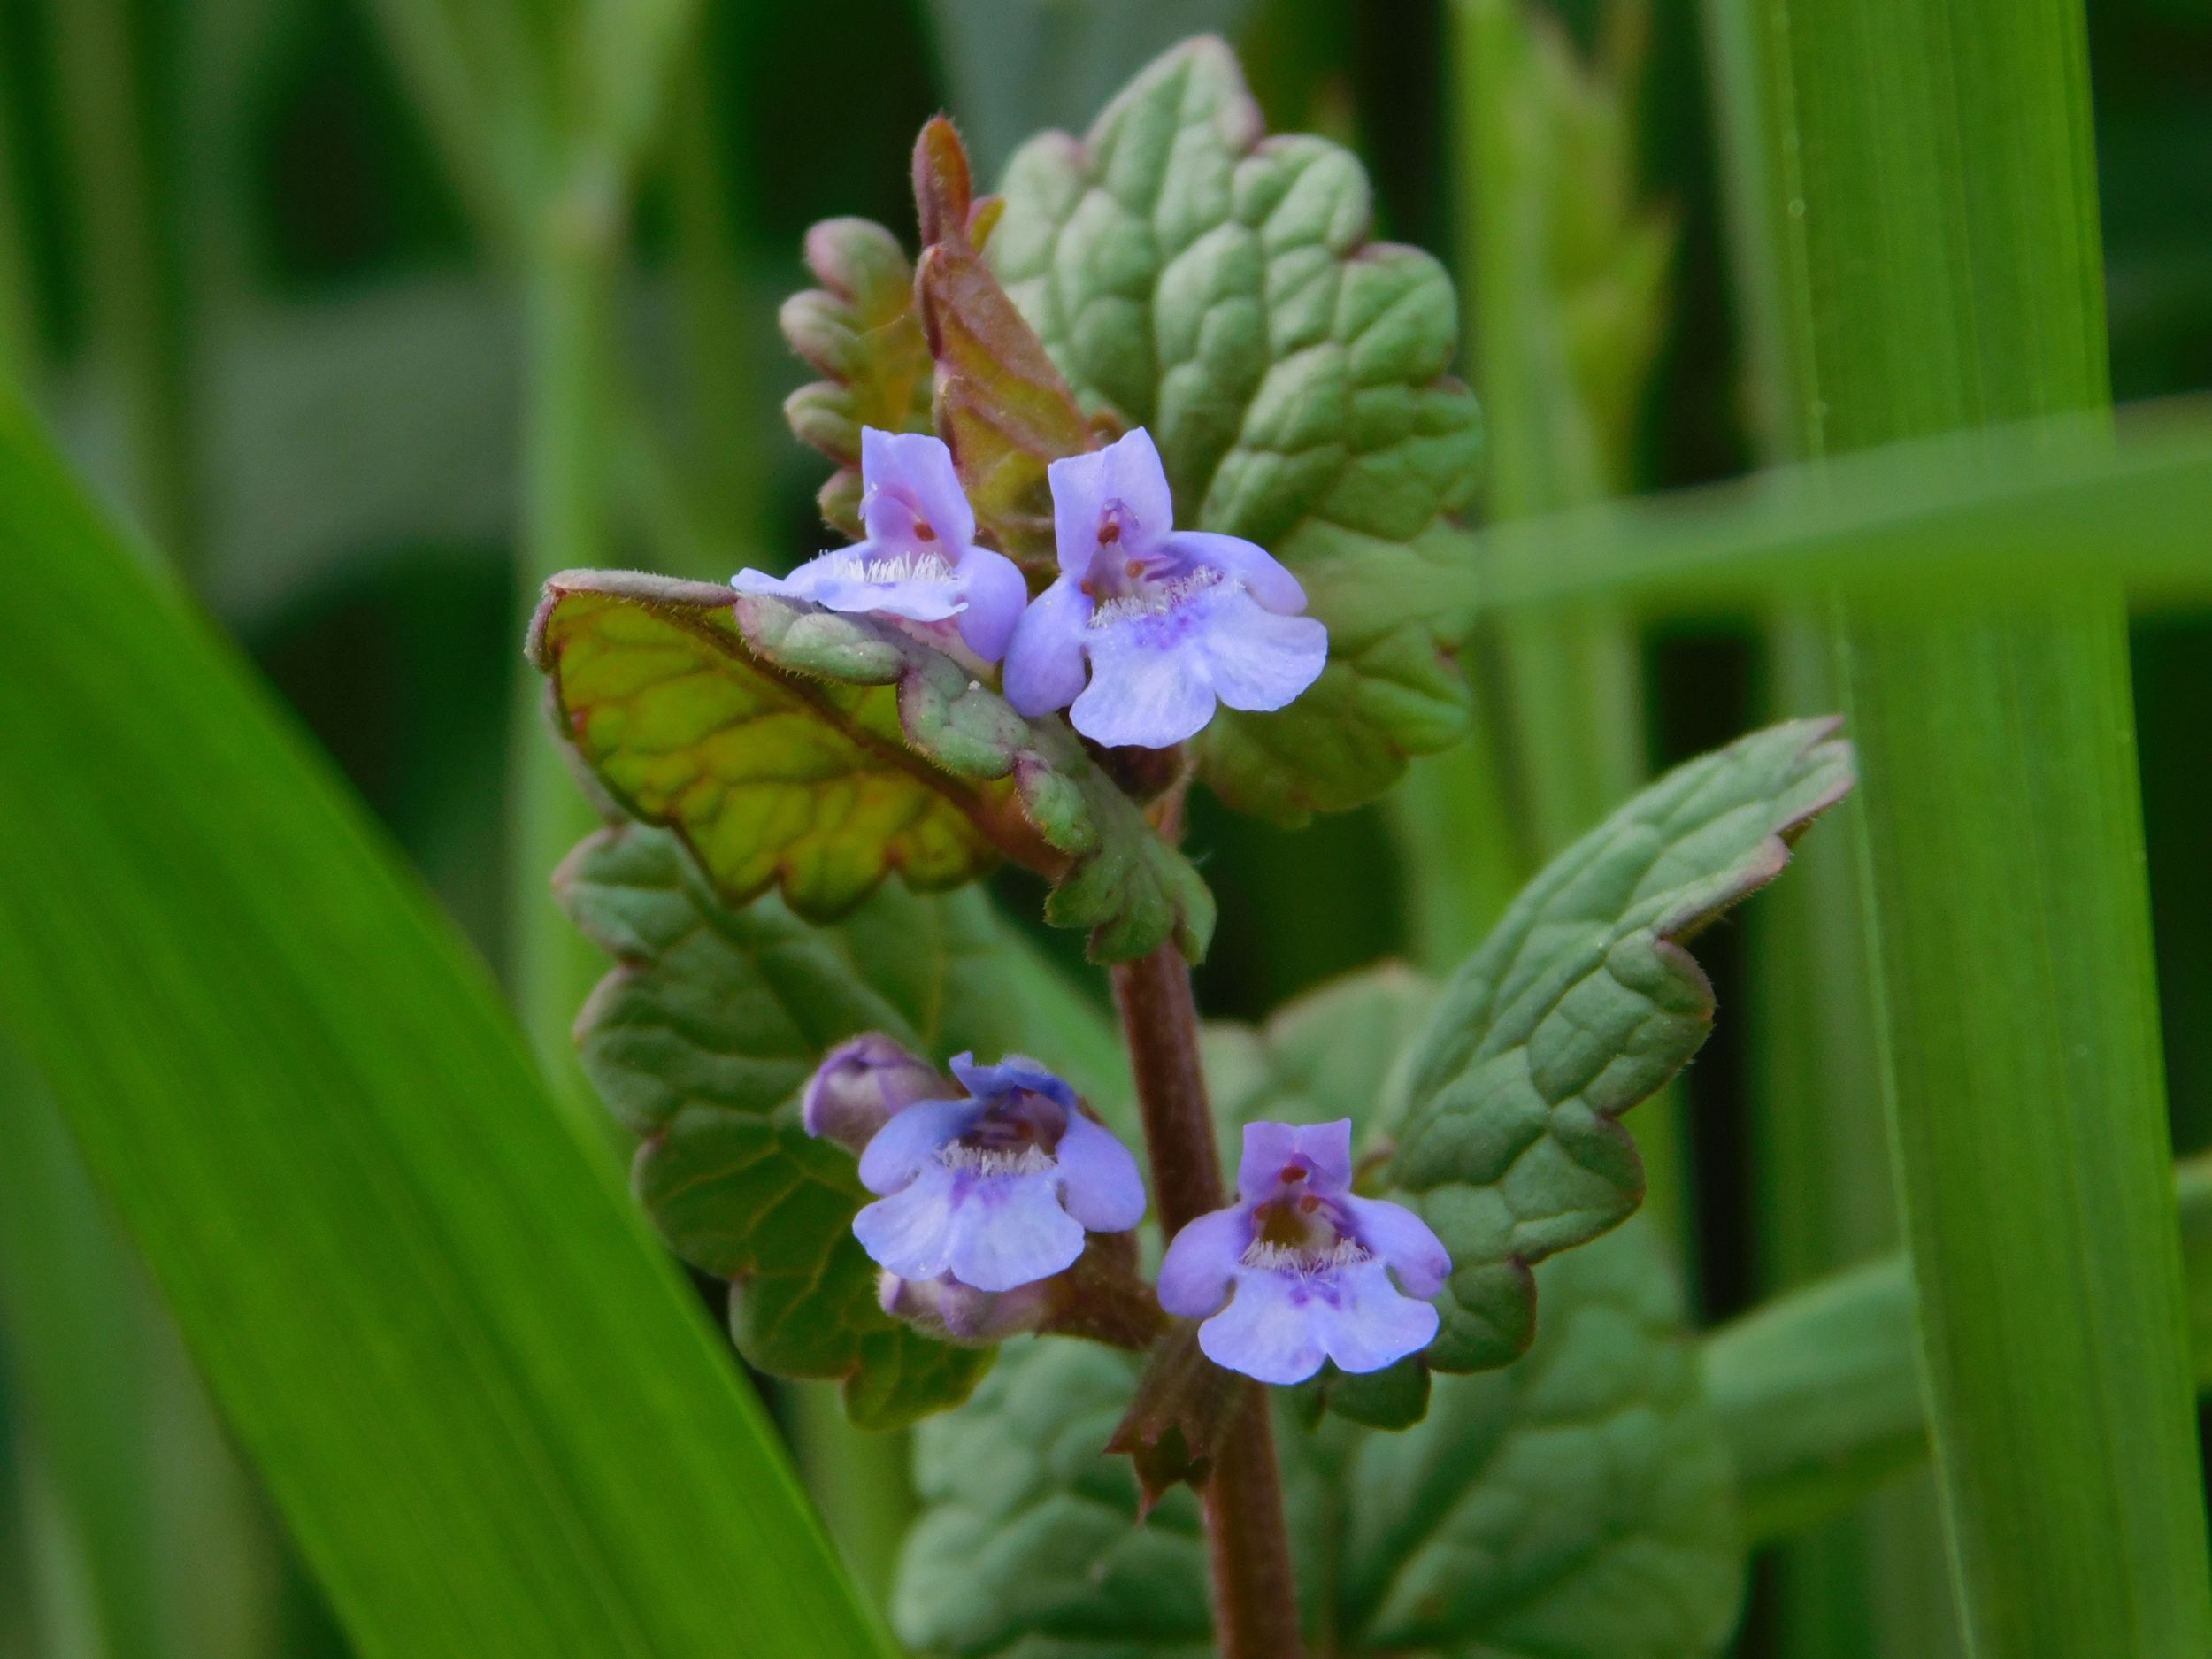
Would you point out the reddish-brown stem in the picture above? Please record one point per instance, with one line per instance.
(1255, 1604)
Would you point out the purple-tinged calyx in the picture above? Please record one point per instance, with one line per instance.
(951, 1311)
(1300, 1268)
(861, 1084)
(919, 562)
(1148, 627)
(998, 1189)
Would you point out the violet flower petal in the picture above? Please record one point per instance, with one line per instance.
(1262, 575)
(1403, 1242)
(906, 1146)
(1044, 666)
(1009, 1230)
(1099, 1183)
(911, 1231)
(1367, 1324)
(1013, 1071)
(1271, 1148)
(1258, 660)
(1267, 1330)
(1202, 1261)
(996, 594)
(1146, 690)
(910, 475)
(1127, 471)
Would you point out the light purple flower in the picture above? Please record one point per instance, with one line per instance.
(919, 561)
(1165, 621)
(1304, 1264)
(997, 1189)
(861, 1084)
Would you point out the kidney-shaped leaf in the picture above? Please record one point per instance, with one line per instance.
(1582, 1003)
(700, 1041)
(1219, 287)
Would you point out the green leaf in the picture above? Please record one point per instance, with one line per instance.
(701, 1042)
(1819, 1392)
(796, 747)
(1581, 1003)
(1926, 182)
(1332, 1053)
(1029, 1542)
(804, 786)
(1574, 1506)
(1116, 878)
(1579, 1503)
(860, 331)
(1223, 293)
(486, 1407)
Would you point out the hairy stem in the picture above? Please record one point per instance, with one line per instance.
(1256, 1607)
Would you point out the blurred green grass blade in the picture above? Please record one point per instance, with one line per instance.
(1818, 1391)
(1547, 172)
(76, 1353)
(116, 122)
(1017, 67)
(173, 1554)
(478, 1393)
(1940, 265)
(2018, 509)
(1873, 1579)
(1574, 680)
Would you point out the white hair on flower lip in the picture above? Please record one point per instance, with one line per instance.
(1153, 599)
(900, 567)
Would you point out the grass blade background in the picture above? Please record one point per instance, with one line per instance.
(1939, 267)
(2034, 505)
(476, 1389)
(174, 1555)
(1542, 135)
(1874, 1580)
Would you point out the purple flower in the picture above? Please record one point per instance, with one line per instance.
(998, 1189)
(1167, 620)
(860, 1085)
(1304, 1264)
(919, 561)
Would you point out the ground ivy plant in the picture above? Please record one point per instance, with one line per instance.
(1146, 470)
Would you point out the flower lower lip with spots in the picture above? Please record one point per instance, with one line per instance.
(1148, 628)
(996, 1189)
(919, 564)
(1301, 1270)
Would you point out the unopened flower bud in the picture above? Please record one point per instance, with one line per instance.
(862, 1085)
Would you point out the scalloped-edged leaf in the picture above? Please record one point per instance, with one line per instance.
(1330, 1053)
(772, 781)
(701, 1040)
(1577, 1505)
(1118, 879)
(1582, 1003)
(1220, 288)
(860, 331)
(794, 747)
(1000, 403)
